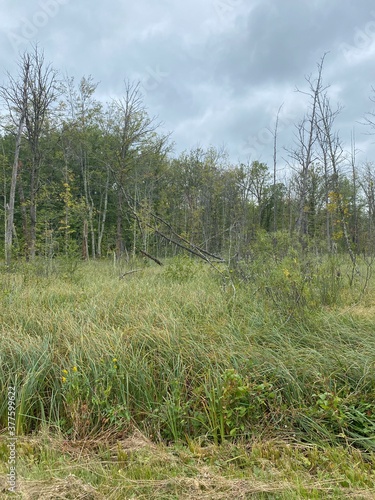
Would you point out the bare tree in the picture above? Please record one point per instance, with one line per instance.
(370, 116)
(330, 142)
(275, 167)
(304, 153)
(353, 164)
(327, 172)
(367, 183)
(42, 90)
(16, 97)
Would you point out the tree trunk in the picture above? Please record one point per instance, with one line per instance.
(89, 202)
(119, 238)
(104, 216)
(85, 243)
(275, 169)
(33, 192)
(25, 226)
(10, 207)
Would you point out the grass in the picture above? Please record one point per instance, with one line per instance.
(179, 382)
(134, 467)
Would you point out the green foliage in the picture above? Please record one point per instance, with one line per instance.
(181, 269)
(295, 282)
(236, 406)
(345, 417)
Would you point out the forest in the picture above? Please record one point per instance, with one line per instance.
(90, 179)
(180, 326)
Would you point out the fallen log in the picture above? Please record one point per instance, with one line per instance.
(130, 272)
(151, 257)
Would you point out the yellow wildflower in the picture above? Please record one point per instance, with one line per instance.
(75, 368)
(63, 379)
(65, 372)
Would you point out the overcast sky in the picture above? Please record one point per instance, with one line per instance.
(214, 71)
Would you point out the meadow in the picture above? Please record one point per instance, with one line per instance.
(253, 379)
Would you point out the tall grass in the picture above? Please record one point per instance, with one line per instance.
(179, 354)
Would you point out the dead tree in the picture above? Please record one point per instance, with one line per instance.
(275, 167)
(331, 144)
(15, 96)
(304, 153)
(42, 92)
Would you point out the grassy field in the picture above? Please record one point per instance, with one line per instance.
(181, 381)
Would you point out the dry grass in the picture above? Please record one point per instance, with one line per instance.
(263, 470)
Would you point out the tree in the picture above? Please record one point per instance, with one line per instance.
(255, 182)
(83, 143)
(304, 154)
(16, 98)
(330, 142)
(274, 188)
(42, 91)
(367, 183)
(131, 128)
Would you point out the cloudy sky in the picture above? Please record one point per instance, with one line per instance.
(214, 71)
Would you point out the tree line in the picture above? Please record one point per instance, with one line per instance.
(80, 177)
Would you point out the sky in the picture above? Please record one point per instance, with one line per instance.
(215, 72)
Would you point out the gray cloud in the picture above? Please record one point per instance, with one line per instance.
(215, 72)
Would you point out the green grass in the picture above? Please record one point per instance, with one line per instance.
(258, 381)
